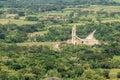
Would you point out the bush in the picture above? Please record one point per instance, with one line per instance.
(118, 75)
(106, 74)
(16, 17)
(21, 13)
(31, 18)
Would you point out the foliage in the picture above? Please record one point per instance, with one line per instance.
(41, 5)
(118, 75)
(54, 19)
(30, 18)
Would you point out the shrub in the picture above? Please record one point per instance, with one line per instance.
(106, 74)
(32, 18)
(118, 75)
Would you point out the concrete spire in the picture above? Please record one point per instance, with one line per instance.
(91, 36)
(73, 35)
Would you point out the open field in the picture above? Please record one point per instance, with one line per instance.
(4, 21)
(39, 33)
(105, 8)
(58, 13)
(117, 0)
(37, 43)
(104, 21)
(18, 22)
(61, 13)
(49, 44)
(97, 8)
(116, 57)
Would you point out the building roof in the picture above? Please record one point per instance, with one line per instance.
(91, 36)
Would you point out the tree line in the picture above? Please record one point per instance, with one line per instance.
(41, 5)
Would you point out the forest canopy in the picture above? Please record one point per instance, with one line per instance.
(34, 35)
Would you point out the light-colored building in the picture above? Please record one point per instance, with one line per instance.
(89, 40)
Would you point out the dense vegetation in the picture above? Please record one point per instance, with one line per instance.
(47, 5)
(38, 62)
(26, 24)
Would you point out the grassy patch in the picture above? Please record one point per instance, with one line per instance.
(97, 8)
(116, 20)
(4, 21)
(50, 44)
(18, 22)
(116, 0)
(105, 8)
(113, 73)
(39, 33)
(116, 57)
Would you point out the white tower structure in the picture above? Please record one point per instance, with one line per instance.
(73, 35)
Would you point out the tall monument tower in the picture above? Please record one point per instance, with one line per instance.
(73, 35)
(89, 40)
